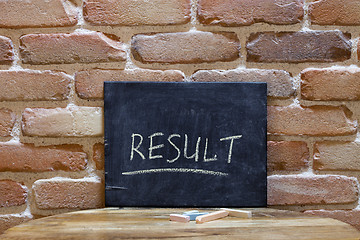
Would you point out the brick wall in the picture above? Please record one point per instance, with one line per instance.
(55, 55)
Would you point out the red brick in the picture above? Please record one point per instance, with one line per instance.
(301, 190)
(90, 83)
(17, 157)
(185, 47)
(297, 47)
(99, 156)
(351, 217)
(8, 221)
(7, 121)
(331, 84)
(72, 121)
(37, 13)
(34, 85)
(135, 12)
(289, 156)
(337, 156)
(335, 12)
(75, 194)
(6, 51)
(12, 193)
(77, 47)
(232, 13)
(280, 83)
(312, 121)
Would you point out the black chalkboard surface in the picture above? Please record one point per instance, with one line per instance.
(185, 144)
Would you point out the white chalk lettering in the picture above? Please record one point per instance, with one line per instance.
(176, 148)
(232, 138)
(158, 147)
(151, 147)
(205, 152)
(182, 170)
(196, 154)
(136, 149)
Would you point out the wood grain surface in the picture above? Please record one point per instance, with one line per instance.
(131, 223)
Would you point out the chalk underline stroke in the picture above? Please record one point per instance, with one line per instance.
(181, 170)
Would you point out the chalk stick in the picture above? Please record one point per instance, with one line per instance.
(179, 218)
(194, 215)
(238, 213)
(211, 216)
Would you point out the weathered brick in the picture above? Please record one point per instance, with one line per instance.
(300, 190)
(99, 156)
(351, 217)
(280, 83)
(7, 121)
(6, 51)
(289, 156)
(90, 83)
(313, 121)
(185, 47)
(77, 47)
(296, 47)
(331, 84)
(72, 121)
(8, 221)
(34, 85)
(337, 156)
(17, 157)
(135, 12)
(335, 12)
(37, 13)
(75, 193)
(12, 193)
(232, 13)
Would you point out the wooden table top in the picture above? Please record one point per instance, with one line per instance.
(131, 223)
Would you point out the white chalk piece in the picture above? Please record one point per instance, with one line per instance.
(179, 218)
(211, 216)
(238, 213)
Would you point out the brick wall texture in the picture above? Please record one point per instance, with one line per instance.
(56, 54)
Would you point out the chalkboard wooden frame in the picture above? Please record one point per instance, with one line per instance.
(185, 144)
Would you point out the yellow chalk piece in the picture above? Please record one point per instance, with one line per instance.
(211, 216)
(238, 213)
(179, 218)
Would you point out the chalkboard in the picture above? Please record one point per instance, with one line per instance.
(185, 144)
